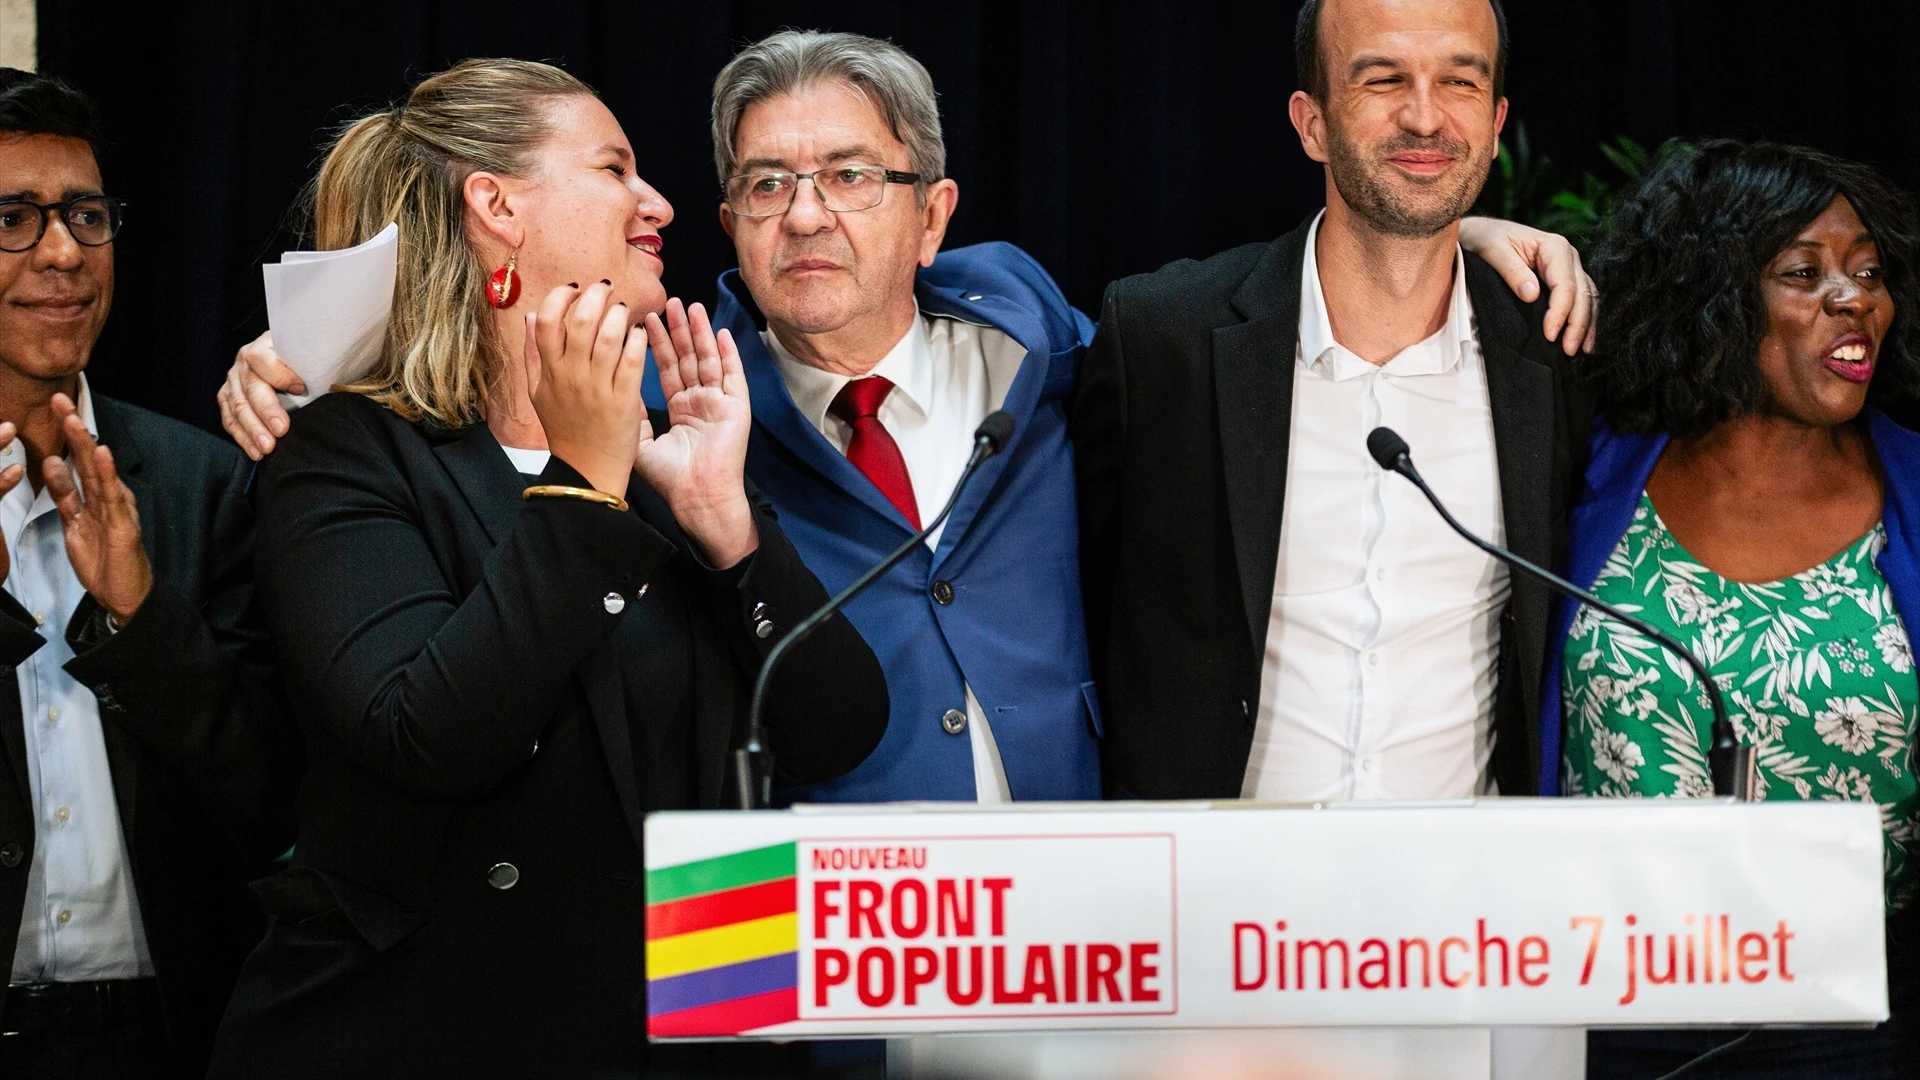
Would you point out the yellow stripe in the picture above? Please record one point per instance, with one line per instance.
(723, 945)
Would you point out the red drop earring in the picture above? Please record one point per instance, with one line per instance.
(503, 288)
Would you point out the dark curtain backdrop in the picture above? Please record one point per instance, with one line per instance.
(1106, 137)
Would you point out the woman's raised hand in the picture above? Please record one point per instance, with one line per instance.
(699, 463)
(583, 374)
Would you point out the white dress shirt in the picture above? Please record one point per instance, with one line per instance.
(81, 920)
(947, 375)
(1383, 640)
(528, 462)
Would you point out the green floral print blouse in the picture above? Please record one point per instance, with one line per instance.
(1817, 671)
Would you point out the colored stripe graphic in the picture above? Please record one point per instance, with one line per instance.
(722, 945)
(729, 1017)
(715, 985)
(723, 939)
(719, 909)
(725, 872)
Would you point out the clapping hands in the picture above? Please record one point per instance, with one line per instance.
(698, 462)
(98, 515)
(584, 361)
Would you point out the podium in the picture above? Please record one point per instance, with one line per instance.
(897, 921)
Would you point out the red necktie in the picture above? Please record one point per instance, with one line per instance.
(872, 450)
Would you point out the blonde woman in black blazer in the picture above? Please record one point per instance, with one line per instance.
(498, 674)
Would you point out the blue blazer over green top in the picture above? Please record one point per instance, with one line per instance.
(1617, 472)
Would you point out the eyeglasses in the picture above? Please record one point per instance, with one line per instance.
(93, 221)
(842, 189)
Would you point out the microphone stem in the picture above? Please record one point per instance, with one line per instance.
(1729, 763)
(750, 780)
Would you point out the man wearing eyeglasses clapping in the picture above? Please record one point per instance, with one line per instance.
(145, 767)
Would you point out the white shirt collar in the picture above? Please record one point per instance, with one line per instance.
(16, 450)
(24, 502)
(85, 406)
(908, 366)
(1436, 355)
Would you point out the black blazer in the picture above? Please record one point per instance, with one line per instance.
(201, 752)
(494, 691)
(1180, 439)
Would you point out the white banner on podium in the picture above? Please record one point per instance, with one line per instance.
(879, 921)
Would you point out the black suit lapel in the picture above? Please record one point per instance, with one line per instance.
(1253, 366)
(114, 431)
(1520, 393)
(603, 678)
(600, 677)
(492, 488)
(18, 640)
(486, 479)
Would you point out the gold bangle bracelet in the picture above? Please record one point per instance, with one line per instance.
(562, 491)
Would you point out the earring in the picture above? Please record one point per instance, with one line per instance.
(503, 288)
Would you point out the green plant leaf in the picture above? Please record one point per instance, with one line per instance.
(1621, 160)
(1572, 202)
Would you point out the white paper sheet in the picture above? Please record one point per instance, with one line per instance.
(328, 311)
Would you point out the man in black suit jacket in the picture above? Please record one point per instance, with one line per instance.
(1229, 506)
(145, 763)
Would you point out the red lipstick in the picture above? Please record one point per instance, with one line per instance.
(1851, 357)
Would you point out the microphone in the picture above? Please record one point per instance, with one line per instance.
(1732, 765)
(752, 762)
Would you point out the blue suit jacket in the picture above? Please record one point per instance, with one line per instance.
(1617, 474)
(1010, 552)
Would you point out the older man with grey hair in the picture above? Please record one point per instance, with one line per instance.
(872, 357)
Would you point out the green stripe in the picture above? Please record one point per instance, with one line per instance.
(725, 872)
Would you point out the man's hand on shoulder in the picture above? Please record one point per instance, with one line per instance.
(1523, 257)
(248, 408)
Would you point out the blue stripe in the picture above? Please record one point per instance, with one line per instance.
(697, 988)
(1617, 472)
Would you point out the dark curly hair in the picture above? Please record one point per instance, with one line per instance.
(33, 104)
(1679, 265)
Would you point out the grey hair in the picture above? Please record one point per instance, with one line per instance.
(782, 63)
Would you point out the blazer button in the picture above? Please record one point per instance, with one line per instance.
(614, 603)
(942, 593)
(503, 875)
(763, 629)
(953, 721)
(11, 855)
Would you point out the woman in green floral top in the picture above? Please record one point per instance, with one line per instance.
(1748, 494)
(1816, 667)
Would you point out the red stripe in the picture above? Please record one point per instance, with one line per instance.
(729, 1017)
(720, 909)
